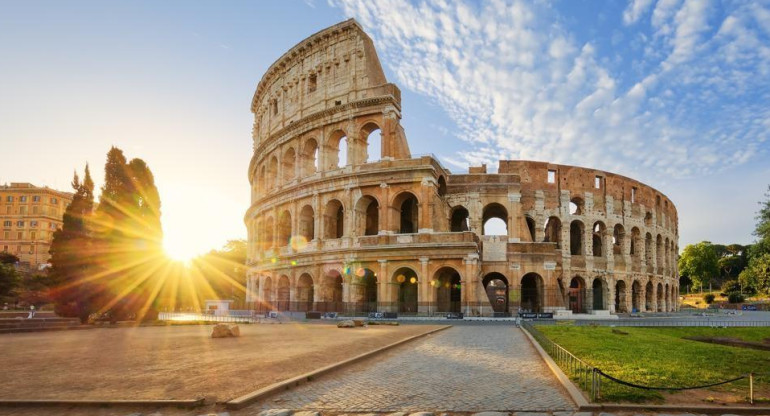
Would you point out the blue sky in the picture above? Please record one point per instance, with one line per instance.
(672, 92)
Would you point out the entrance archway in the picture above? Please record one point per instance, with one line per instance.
(636, 296)
(620, 297)
(305, 293)
(660, 298)
(648, 297)
(283, 301)
(496, 286)
(577, 290)
(448, 290)
(406, 284)
(332, 292)
(532, 292)
(364, 290)
(598, 289)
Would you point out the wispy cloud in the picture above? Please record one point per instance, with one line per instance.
(519, 84)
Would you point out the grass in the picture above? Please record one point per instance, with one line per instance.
(661, 357)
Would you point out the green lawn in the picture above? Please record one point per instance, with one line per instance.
(661, 357)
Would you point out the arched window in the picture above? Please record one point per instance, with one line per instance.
(289, 160)
(284, 229)
(309, 157)
(576, 238)
(441, 186)
(408, 213)
(334, 219)
(531, 227)
(598, 239)
(372, 136)
(553, 231)
(648, 254)
(337, 148)
(495, 220)
(272, 172)
(618, 240)
(460, 221)
(307, 223)
(576, 206)
(367, 216)
(269, 232)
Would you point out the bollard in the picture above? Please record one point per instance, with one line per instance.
(751, 388)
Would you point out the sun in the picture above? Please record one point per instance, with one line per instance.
(179, 249)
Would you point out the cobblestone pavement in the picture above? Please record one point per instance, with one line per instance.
(461, 369)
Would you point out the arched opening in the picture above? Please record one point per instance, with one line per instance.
(305, 293)
(659, 254)
(460, 220)
(648, 219)
(636, 296)
(441, 186)
(363, 290)
(667, 256)
(269, 233)
(577, 294)
(598, 239)
(660, 298)
(668, 300)
(531, 228)
(648, 254)
(262, 180)
(368, 216)
(372, 136)
(334, 219)
(406, 281)
(448, 290)
(496, 286)
(576, 238)
(576, 206)
(620, 297)
(267, 293)
(272, 172)
(408, 213)
(553, 231)
(618, 241)
(598, 290)
(337, 150)
(648, 297)
(284, 292)
(332, 292)
(307, 223)
(310, 157)
(494, 220)
(532, 293)
(289, 160)
(284, 229)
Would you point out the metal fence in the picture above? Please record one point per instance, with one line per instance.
(204, 317)
(590, 378)
(673, 322)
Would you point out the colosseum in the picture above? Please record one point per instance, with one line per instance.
(344, 218)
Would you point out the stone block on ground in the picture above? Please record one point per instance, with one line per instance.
(235, 330)
(307, 413)
(358, 322)
(225, 331)
(491, 414)
(275, 412)
(346, 324)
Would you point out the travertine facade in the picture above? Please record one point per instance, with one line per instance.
(345, 219)
(29, 217)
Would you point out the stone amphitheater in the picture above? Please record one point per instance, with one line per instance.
(344, 218)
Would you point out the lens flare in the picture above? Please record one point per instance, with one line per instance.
(401, 278)
(298, 242)
(413, 280)
(361, 272)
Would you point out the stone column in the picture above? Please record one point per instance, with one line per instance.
(514, 213)
(383, 284)
(425, 299)
(384, 209)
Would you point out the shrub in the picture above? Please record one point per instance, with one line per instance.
(735, 297)
(709, 298)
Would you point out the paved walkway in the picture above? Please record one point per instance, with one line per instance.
(461, 369)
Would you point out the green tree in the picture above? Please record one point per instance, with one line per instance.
(9, 280)
(72, 254)
(225, 270)
(699, 262)
(757, 274)
(762, 230)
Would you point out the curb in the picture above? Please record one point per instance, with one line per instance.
(575, 394)
(245, 400)
(101, 403)
(583, 404)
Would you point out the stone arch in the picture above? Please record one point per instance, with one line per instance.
(532, 293)
(269, 232)
(284, 228)
(648, 298)
(406, 212)
(334, 219)
(262, 179)
(406, 295)
(305, 292)
(577, 294)
(668, 299)
(666, 256)
(620, 297)
(267, 292)
(599, 293)
(307, 222)
(272, 172)
(309, 157)
(618, 241)
(372, 146)
(367, 215)
(648, 254)
(497, 288)
(441, 186)
(599, 230)
(648, 219)
(660, 297)
(494, 220)
(337, 150)
(331, 291)
(553, 231)
(531, 226)
(459, 219)
(636, 296)
(289, 161)
(448, 290)
(659, 254)
(363, 290)
(576, 233)
(283, 300)
(577, 206)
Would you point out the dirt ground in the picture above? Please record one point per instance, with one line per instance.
(176, 362)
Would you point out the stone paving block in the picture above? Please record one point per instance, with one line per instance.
(306, 413)
(421, 414)
(275, 412)
(491, 414)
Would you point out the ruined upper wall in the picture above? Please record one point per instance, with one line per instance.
(330, 68)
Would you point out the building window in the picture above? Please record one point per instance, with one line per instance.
(54, 201)
(20, 235)
(7, 223)
(551, 176)
(598, 182)
(34, 209)
(23, 198)
(9, 198)
(20, 224)
(312, 83)
(23, 210)
(7, 235)
(32, 235)
(33, 224)
(36, 198)
(633, 194)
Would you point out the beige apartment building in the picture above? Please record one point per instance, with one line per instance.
(29, 215)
